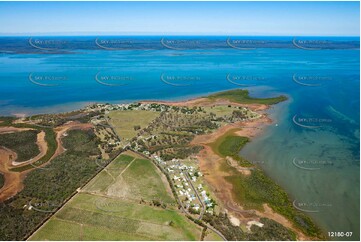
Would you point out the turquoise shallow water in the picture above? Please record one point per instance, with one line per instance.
(312, 149)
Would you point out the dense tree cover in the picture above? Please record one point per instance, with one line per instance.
(22, 143)
(2, 180)
(49, 187)
(50, 138)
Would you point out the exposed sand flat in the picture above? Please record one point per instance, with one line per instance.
(12, 184)
(210, 166)
(9, 129)
(269, 213)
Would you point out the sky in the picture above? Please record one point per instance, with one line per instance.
(177, 18)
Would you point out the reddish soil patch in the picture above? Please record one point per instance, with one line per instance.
(13, 180)
(9, 129)
(211, 167)
(43, 147)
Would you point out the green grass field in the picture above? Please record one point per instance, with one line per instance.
(98, 213)
(124, 121)
(97, 217)
(242, 96)
(144, 181)
(133, 178)
(230, 145)
(106, 177)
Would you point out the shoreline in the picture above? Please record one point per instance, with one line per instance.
(210, 162)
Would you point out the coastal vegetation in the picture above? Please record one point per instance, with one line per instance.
(229, 145)
(22, 143)
(271, 230)
(48, 187)
(6, 121)
(242, 96)
(256, 189)
(50, 138)
(123, 177)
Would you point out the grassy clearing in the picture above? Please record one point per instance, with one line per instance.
(212, 236)
(242, 96)
(125, 121)
(230, 145)
(140, 180)
(220, 110)
(22, 143)
(100, 233)
(105, 178)
(114, 219)
(144, 181)
(100, 183)
(56, 229)
(116, 167)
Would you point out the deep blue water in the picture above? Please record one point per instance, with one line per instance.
(312, 149)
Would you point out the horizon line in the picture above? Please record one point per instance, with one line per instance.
(159, 34)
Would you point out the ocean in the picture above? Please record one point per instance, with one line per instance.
(313, 147)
